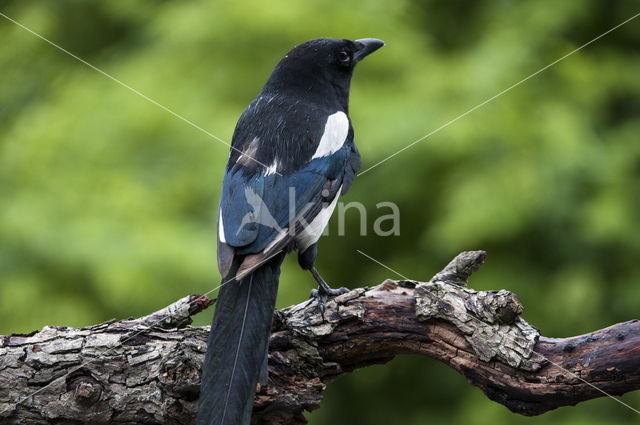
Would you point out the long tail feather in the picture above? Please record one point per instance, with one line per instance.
(237, 346)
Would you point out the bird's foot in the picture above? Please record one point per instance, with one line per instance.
(321, 295)
(324, 291)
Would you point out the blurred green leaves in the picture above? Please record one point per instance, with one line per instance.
(108, 203)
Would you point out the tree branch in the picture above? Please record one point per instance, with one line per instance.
(147, 370)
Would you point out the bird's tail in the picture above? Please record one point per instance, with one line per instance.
(237, 346)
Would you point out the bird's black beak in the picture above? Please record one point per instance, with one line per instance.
(366, 46)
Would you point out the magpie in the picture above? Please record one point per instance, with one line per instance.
(292, 155)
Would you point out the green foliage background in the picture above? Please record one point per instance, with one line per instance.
(108, 203)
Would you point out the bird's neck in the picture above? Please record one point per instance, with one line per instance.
(311, 89)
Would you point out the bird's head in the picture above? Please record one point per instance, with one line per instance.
(321, 68)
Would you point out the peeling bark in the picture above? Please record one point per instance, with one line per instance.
(147, 370)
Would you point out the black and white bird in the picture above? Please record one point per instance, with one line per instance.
(292, 155)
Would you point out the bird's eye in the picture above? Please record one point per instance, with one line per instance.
(344, 57)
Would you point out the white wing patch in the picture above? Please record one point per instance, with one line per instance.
(312, 232)
(221, 228)
(271, 169)
(335, 133)
(249, 154)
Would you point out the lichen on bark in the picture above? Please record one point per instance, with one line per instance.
(489, 320)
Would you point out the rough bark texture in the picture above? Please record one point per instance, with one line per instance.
(147, 370)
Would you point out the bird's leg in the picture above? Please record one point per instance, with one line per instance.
(324, 291)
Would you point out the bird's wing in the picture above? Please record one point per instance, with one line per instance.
(352, 167)
(260, 201)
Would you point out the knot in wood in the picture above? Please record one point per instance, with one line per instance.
(181, 376)
(502, 307)
(87, 391)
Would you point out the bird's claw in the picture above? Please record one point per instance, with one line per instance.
(322, 295)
